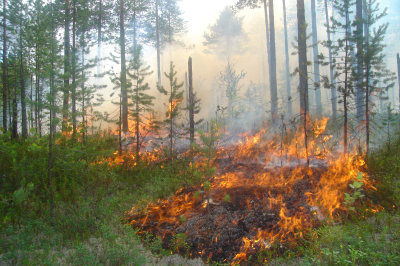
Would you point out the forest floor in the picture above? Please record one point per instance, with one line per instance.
(88, 229)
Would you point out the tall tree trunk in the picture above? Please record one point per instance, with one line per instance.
(316, 65)
(37, 69)
(186, 91)
(74, 72)
(345, 83)
(66, 66)
(288, 90)
(137, 108)
(14, 133)
(134, 27)
(268, 42)
(359, 38)
(398, 74)
(302, 53)
(171, 123)
(367, 80)
(84, 124)
(158, 45)
(124, 89)
(31, 104)
(333, 89)
(191, 102)
(9, 110)
(50, 165)
(367, 108)
(99, 28)
(40, 113)
(4, 66)
(273, 85)
(24, 125)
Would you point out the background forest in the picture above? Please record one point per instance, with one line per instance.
(112, 104)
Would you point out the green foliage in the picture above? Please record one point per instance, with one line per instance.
(182, 218)
(179, 244)
(227, 198)
(353, 244)
(229, 82)
(142, 102)
(209, 142)
(389, 121)
(174, 103)
(226, 37)
(356, 186)
(207, 185)
(384, 164)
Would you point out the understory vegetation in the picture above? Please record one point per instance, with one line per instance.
(92, 192)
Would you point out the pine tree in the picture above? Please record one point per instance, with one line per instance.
(174, 103)
(226, 36)
(374, 66)
(164, 26)
(229, 82)
(175, 26)
(241, 4)
(141, 101)
(344, 67)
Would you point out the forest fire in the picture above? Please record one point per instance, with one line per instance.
(263, 193)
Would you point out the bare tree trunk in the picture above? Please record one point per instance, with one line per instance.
(186, 91)
(158, 45)
(124, 88)
(398, 74)
(288, 90)
(137, 111)
(134, 27)
(66, 66)
(345, 85)
(31, 104)
(367, 109)
(74, 73)
(22, 80)
(273, 85)
(268, 42)
(191, 102)
(84, 124)
(359, 38)
(333, 90)
(4, 66)
(302, 54)
(316, 65)
(302, 38)
(14, 134)
(99, 28)
(367, 76)
(37, 73)
(49, 166)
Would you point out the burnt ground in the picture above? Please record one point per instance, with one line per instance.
(223, 229)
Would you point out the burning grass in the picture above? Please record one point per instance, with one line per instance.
(266, 206)
(263, 193)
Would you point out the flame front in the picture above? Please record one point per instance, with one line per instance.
(274, 195)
